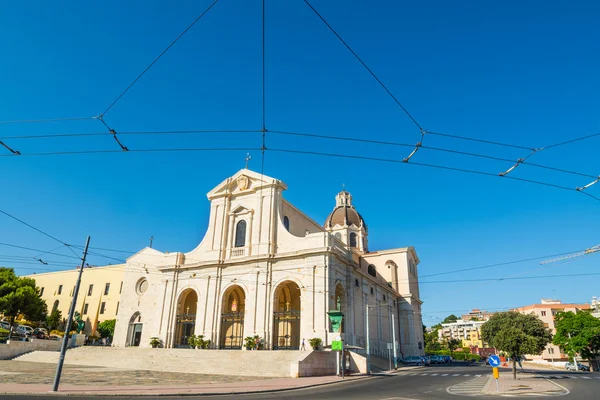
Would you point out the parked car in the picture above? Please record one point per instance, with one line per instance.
(40, 333)
(414, 360)
(446, 359)
(4, 325)
(24, 330)
(581, 367)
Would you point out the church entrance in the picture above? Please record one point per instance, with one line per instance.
(134, 331)
(286, 317)
(186, 317)
(232, 318)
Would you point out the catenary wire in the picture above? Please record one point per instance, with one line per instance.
(37, 230)
(158, 150)
(364, 65)
(430, 166)
(28, 121)
(173, 132)
(159, 56)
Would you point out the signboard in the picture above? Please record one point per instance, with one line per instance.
(494, 360)
(336, 345)
(390, 346)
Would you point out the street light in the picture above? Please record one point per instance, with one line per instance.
(367, 335)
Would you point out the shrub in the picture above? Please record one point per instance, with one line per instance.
(315, 343)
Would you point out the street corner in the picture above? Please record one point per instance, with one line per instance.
(530, 386)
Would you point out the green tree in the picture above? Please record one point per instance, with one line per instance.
(431, 340)
(449, 319)
(53, 320)
(20, 296)
(106, 329)
(452, 345)
(516, 334)
(577, 333)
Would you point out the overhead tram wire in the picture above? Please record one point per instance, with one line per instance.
(173, 132)
(379, 142)
(158, 58)
(430, 166)
(29, 121)
(158, 150)
(38, 230)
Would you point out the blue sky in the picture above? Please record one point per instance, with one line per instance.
(518, 73)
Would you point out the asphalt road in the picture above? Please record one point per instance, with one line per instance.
(421, 384)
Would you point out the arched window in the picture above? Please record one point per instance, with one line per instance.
(286, 223)
(353, 239)
(55, 306)
(240, 234)
(338, 236)
(371, 270)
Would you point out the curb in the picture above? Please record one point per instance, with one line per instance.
(224, 393)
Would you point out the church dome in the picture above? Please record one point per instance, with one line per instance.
(344, 213)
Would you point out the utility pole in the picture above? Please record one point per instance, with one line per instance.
(367, 331)
(394, 340)
(63, 348)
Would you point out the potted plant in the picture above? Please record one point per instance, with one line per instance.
(192, 341)
(154, 342)
(201, 343)
(249, 342)
(315, 343)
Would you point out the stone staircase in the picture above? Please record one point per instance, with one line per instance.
(217, 362)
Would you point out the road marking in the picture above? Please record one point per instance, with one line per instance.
(447, 375)
(456, 375)
(467, 375)
(585, 377)
(434, 374)
(424, 374)
(478, 376)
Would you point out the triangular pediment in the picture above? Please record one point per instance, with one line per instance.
(244, 181)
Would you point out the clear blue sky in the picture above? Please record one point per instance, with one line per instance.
(523, 73)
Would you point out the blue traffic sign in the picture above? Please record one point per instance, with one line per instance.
(494, 360)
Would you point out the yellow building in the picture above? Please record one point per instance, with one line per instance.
(99, 293)
(473, 338)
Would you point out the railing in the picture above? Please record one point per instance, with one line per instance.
(238, 252)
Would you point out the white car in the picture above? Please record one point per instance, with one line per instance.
(24, 330)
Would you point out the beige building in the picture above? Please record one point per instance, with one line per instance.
(546, 312)
(477, 315)
(265, 268)
(468, 332)
(98, 298)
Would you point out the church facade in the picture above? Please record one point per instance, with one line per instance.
(266, 269)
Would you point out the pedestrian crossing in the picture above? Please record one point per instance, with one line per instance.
(568, 377)
(472, 387)
(441, 375)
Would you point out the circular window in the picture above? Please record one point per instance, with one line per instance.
(141, 286)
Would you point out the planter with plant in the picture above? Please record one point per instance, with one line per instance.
(250, 342)
(192, 341)
(315, 343)
(154, 342)
(201, 343)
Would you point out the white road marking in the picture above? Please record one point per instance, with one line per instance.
(467, 375)
(585, 377)
(447, 375)
(479, 376)
(434, 374)
(456, 375)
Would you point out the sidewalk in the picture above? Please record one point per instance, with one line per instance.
(269, 385)
(528, 382)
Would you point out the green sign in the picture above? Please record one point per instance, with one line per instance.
(336, 345)
(336, 317)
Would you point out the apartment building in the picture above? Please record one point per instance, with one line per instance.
(546, 311)
(99, 293)
(468, 332)
(477, 315)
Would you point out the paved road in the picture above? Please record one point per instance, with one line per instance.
(430, 383)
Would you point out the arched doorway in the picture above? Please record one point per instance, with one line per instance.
(186, 317)
(134, 331)
(232, 318)
(340, 303)
(286, 317)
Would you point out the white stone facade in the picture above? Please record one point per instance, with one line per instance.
(264, 268)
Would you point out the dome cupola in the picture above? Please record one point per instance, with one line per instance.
(344, 213)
